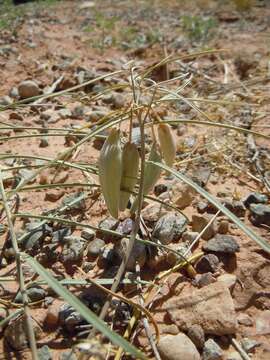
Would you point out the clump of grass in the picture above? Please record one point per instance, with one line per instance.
(198, 28)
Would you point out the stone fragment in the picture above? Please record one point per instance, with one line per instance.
(94, 248)
(222, 244)
(27, 89)
(169, 228)
(196, 335)
(255, 198)
(211, 350)
(199, 222)
(109, 223)
(204, 279)
(223, 227)
(54, 195)
(88, 234)
(263, 323)
(183, 195)
(138, 254)
(211, 307)
(73, 249)
(176, 347)
(260, 214)
(208, 263)
(152, 212)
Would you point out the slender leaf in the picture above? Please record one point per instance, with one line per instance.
(87, 314)
(260, 241)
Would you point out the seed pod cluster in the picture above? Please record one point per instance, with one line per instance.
(167, 143)
(118, 171)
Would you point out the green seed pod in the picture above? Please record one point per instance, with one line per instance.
(130, 165)
(151, 174)
(110, 171)
(167, 143)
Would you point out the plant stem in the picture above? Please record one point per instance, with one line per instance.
(29, 325)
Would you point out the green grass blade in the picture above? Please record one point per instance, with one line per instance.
(87, 314)
(260, 241)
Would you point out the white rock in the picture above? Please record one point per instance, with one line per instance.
(177, 347)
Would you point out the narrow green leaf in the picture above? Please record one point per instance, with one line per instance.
(260, 241)
(82, 309)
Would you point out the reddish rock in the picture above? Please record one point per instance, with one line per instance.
(211, 307)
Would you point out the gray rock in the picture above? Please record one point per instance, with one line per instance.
(94, 248)
(211, 350)
(27, 89)
(236, 207)
(199, 222)
(169, 228)
(59, 235)
(125, 227)
(208, 263)
(69, 317)
(34, 294)
(260, 214)
(88, 234)
(138, 254)
(205, 279)
(108, 223)
(5, 101)
(44, 353)
(249, 344)
(175, 347)
(255, 198)
(222, 244)
(16, 333)
(73, 250)
(34, 234)
(13, 93)
(196, 335)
